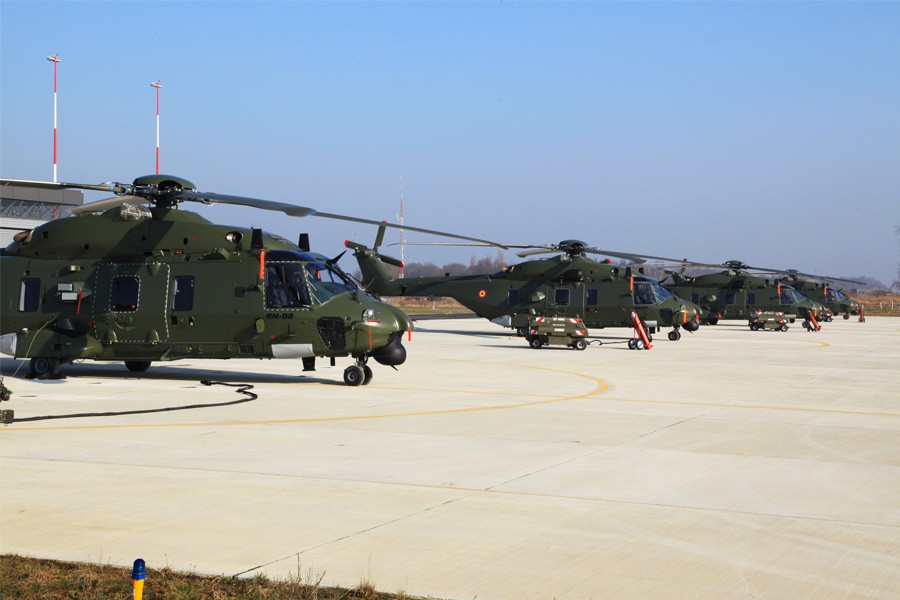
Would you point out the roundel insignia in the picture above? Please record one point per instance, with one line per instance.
(482, 293)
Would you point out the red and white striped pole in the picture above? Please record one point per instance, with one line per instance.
(55, 60)
(157, 85)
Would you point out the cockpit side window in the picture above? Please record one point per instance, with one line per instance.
(286, 286)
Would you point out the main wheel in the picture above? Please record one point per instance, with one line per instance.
(535, 343)
(579, 344)
(137, 366)
(354, 375)
(41, 367)
(521, 331)
(367, 375)
(674, 335)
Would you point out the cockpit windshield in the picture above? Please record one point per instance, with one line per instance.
(789, 295)
(649, 291)
(832, 295)
(327, 281)
(295, 285)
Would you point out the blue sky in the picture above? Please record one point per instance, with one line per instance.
(767, 132)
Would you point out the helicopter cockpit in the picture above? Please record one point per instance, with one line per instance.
(833, 295)
(296, 280)
(789, 295)
(649, 291)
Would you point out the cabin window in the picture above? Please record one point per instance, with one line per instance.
(695, 298)
(562, 296)
(183, 292)
(123, 296)
(512, 298)
(729, 298)
(751, 298)
(29, 295)
(591, 299)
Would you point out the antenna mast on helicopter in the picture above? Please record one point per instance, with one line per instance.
(400, 220)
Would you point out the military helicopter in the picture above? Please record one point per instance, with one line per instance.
(735, 293)
(821, 290)
(567, 285)
(141, 284)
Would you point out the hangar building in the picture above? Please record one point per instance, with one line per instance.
(25, 208)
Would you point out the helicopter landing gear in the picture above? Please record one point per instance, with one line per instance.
(44, 368)
(137, 366)
(674, 335)
(521, 331)
(358, 374)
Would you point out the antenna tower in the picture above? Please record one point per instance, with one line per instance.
(55, 60)
(400, 220)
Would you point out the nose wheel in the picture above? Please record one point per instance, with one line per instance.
(358, 374)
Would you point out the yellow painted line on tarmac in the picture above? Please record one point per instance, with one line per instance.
(601, 386)
(837, 411)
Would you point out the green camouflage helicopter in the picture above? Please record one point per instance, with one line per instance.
(567, 285)
(821, 290)
(142, 284)
(735, 293)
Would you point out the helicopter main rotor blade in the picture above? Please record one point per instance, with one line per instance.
(110, 186)
(214, 198)
(539, 251)
(106, 204)
(149, 193)
(305, 211)
(822, 278)
(405, 227)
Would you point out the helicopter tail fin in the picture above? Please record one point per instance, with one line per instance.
(375, 276)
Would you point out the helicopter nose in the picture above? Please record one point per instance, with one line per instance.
(691, 318)
(394, 322)
(394, 319)
(391, 354)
